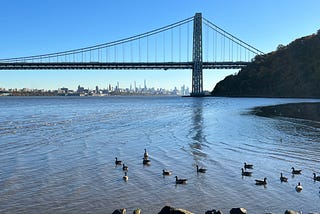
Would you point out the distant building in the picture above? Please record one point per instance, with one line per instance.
(80, 89)
(63, 90)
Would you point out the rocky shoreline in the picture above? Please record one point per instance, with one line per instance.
(306, 111)
(172, 210)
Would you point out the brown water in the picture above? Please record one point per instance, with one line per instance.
(57, 155)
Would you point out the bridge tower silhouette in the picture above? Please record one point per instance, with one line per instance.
(197, 77)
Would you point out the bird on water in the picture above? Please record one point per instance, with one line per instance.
(296, 171)
(118, 162)
(166, 172)
(181, 180)
(245, 173)
(145, 154)
(248, 166)
(202, 170)
(125, 177)
(261, 182)
(315, 177)
(146, 161)
(299, 187)
(282, 178)
(125, 167)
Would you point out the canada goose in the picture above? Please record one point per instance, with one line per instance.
(166, 172)
(124, 167)
(261, 182)
(296, 171)
(282, 178)
(315, 177)
(125, 177)
(299, 187)
(118, 162)
(245, 173)
(202, 170)
(145, 155)
(181, 180)
(248, 166)
(146, 161)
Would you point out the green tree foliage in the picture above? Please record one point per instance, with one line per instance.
(291, 71)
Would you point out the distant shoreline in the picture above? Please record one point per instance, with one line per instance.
(306, 111)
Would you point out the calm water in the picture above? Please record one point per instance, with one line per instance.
(57, 155)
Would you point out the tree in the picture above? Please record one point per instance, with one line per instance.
(280, 46)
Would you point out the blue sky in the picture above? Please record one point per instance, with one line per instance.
(31, 27)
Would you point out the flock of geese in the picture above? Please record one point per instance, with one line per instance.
(244, 172)
(147, 161)
(282, 178)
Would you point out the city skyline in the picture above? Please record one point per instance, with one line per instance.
(118, 84)
(65, 25)
(97, 91)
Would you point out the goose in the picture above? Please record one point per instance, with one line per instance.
(118, 162)
(202, 170)
(315, 177)
(282, 178)
(296, 171)
(261, 182)
(124, 167)
(248, 166)
(181, 180)
(146, 161)
(125, 177)
(245, 173)
(166, 172)
(299, 187)
(145, 155)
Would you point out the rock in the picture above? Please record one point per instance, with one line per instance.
(238, 211)
(137, 211)
(290, 212)
(172, 210)
(213, 212)
(120, 211)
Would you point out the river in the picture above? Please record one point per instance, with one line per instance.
(57, 155)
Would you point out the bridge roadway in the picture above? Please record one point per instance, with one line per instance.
(116, 65)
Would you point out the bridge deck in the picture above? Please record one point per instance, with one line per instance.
(117, 65)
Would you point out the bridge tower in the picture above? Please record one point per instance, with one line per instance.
(197, 78)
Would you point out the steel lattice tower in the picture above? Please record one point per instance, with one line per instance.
(197, 78)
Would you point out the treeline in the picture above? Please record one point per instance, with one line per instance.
(290, 71)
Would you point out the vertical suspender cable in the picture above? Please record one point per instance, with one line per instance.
(139, 51)
(147, 48)
(123, 53)
(106, 54)
(207, 45)
(131, 51)
(164, 47)
(171, 44)
(188, 31)
(155, 49)
(179, 43)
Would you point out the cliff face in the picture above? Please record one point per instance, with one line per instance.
(291, 71)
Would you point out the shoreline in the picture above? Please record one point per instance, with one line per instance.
(305, 111)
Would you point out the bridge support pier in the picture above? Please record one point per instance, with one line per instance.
(197, 78)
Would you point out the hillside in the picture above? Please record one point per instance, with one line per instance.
(290, 71)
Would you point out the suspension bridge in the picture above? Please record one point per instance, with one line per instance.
(194, 43)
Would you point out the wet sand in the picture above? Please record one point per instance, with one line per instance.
(307, 111)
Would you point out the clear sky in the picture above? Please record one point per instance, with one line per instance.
(31, 27)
